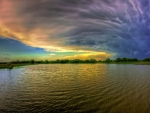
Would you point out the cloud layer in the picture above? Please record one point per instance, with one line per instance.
(120, 28)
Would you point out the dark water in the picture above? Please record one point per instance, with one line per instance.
(72, 88)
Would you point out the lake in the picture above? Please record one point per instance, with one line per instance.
(76, 88)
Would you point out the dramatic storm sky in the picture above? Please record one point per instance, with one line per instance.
(70, 29)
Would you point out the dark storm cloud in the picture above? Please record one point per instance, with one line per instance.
(120, 27)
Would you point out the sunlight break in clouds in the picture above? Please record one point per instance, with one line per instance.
(52, 54)
(93, 55)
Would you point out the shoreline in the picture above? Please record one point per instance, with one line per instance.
(11, 66)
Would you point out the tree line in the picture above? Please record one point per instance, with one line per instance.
(64, 61)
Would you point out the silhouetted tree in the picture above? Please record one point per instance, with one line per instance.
(107, 60)
(93, 61)
(147, 59)
(124, 59)
(118, 60)
(32, 61)
(46, 61)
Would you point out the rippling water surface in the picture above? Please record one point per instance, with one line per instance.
(76, 88)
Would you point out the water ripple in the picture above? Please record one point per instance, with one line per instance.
(75, 88)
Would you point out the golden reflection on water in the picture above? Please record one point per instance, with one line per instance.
(79, 88)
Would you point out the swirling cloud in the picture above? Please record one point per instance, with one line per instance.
(120, 28)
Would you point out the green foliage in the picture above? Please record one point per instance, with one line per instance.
(147, 59)
(126, 59)
(32, 61)
(118, 60)
(46, 62)
(108, 60)
(93, 61)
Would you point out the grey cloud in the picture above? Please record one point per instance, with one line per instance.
(120, 27)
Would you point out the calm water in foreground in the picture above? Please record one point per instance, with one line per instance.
(76, 88)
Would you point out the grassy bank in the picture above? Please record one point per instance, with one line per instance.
(134, 63)
(142, 63)
(11, 66)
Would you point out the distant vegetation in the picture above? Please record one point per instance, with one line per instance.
(108, 60)
(12, 64)
(64, 61)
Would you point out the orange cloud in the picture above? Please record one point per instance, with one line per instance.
(92, 55)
